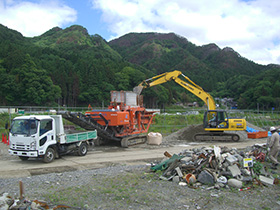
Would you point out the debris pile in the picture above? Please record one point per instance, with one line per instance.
(9, 203)
(217, 167)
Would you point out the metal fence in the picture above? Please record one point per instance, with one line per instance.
(256, 119)
(169, 120)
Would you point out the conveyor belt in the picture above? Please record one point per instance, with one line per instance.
(89, 123)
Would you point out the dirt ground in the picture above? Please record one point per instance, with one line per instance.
(131, 185)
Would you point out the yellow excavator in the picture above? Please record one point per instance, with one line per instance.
(215, 122)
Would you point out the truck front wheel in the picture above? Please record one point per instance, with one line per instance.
(49, 156)
(82, 150)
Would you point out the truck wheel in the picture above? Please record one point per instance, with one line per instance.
(49, 156)
(23, 158)
(82, 150)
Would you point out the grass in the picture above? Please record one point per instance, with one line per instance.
(167, 124)
(123, 190)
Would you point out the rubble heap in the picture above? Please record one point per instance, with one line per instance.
(9, 203)
(217, 167)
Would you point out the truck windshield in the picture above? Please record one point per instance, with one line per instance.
(24, 127)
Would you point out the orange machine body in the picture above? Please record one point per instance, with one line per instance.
(125, 116)
(114, 118)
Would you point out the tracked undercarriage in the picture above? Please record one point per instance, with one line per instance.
(216, 136)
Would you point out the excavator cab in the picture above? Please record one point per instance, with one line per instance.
(215, 119)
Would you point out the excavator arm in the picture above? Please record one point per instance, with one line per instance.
(188, 84)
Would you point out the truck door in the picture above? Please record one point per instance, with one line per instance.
(46, 132)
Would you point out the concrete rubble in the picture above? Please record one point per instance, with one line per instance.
(217, 167)
(9, 203)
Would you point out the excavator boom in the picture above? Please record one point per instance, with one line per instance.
(215, 121)
(188, 84)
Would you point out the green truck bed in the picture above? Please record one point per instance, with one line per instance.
(75, 137)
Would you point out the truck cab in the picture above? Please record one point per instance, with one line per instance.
(43, 136)
(30, 136)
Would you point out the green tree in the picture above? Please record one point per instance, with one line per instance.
(35, 87)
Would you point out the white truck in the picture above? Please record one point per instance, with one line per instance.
(43, 136)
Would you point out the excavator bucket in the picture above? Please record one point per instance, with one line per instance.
(138, 89)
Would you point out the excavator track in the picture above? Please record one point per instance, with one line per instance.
(216, 136)
(89, 123)
(133, 140)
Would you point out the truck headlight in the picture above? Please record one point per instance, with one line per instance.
(33, 145)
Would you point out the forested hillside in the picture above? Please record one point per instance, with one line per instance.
(70, 67)
(222, 72)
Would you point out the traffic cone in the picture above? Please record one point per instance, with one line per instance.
(3, 140)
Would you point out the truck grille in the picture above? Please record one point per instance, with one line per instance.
(20, 147)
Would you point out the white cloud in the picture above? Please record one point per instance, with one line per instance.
(250, 27)
(32, 19)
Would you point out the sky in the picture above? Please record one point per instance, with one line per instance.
(250, 27)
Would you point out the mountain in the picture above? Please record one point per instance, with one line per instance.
(84, 68)
(72, 68)
(168, 52)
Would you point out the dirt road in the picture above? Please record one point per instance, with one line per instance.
(102, 156)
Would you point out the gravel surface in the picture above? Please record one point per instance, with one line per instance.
(135, 187)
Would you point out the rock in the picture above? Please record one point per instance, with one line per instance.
(176, 179)
(242, 154)
(266, 180)
(206, 178)
(186, 159)
(235, 183)
(182, 183)
(231, 159)
(239, 177)
(217, 152)
(188, 153)
(179, 172)
(247, 179)
(249, 148)
(245, 172)
(239, 157)
(222, 179)
(219, 185)
(214, 195)
(4, 200)
(263, 171)
(235, 171)
(225, 165)
(233, 151)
